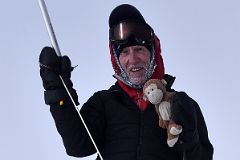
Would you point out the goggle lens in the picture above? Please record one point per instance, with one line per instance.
(121, 32)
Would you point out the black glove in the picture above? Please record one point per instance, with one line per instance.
(51, 66)
(184, 113)
(193, 141)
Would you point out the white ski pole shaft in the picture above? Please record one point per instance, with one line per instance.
(57, 50)
(49, 26)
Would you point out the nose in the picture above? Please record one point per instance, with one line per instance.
(133, 56)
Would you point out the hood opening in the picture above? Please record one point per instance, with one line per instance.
(156, 68)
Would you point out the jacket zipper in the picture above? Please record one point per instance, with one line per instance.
(141, 129)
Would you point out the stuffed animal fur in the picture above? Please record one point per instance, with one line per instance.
(155, 92)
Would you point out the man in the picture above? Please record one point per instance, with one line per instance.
(123, 125)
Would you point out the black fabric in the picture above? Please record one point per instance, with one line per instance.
(55, 96)
(124, 12)
(184, 113)
(121, 131)
(194, 140)
(51, 66)
(170, 80)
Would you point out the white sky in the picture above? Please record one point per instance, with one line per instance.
(200, 43)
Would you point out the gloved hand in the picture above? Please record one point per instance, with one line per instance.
(51, 66)
(184, 113)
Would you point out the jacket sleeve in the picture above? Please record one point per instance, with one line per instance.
(193, 141)
(203, 149)
(69, 125)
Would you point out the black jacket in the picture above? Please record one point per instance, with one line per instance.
(120, 130)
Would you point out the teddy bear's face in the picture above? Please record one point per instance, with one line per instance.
(153, 94)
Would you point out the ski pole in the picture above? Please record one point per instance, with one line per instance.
(57, 50)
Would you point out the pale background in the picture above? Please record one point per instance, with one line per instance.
(201, 47)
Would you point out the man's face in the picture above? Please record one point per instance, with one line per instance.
(135, 61)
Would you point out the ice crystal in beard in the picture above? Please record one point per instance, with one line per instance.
(137, 74)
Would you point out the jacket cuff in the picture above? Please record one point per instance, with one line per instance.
(54, 96)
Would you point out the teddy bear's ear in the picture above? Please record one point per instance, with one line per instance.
(164, 82)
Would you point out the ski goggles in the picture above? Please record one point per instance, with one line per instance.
(123, 31)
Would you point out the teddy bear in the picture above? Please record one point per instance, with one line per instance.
(154, 91)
